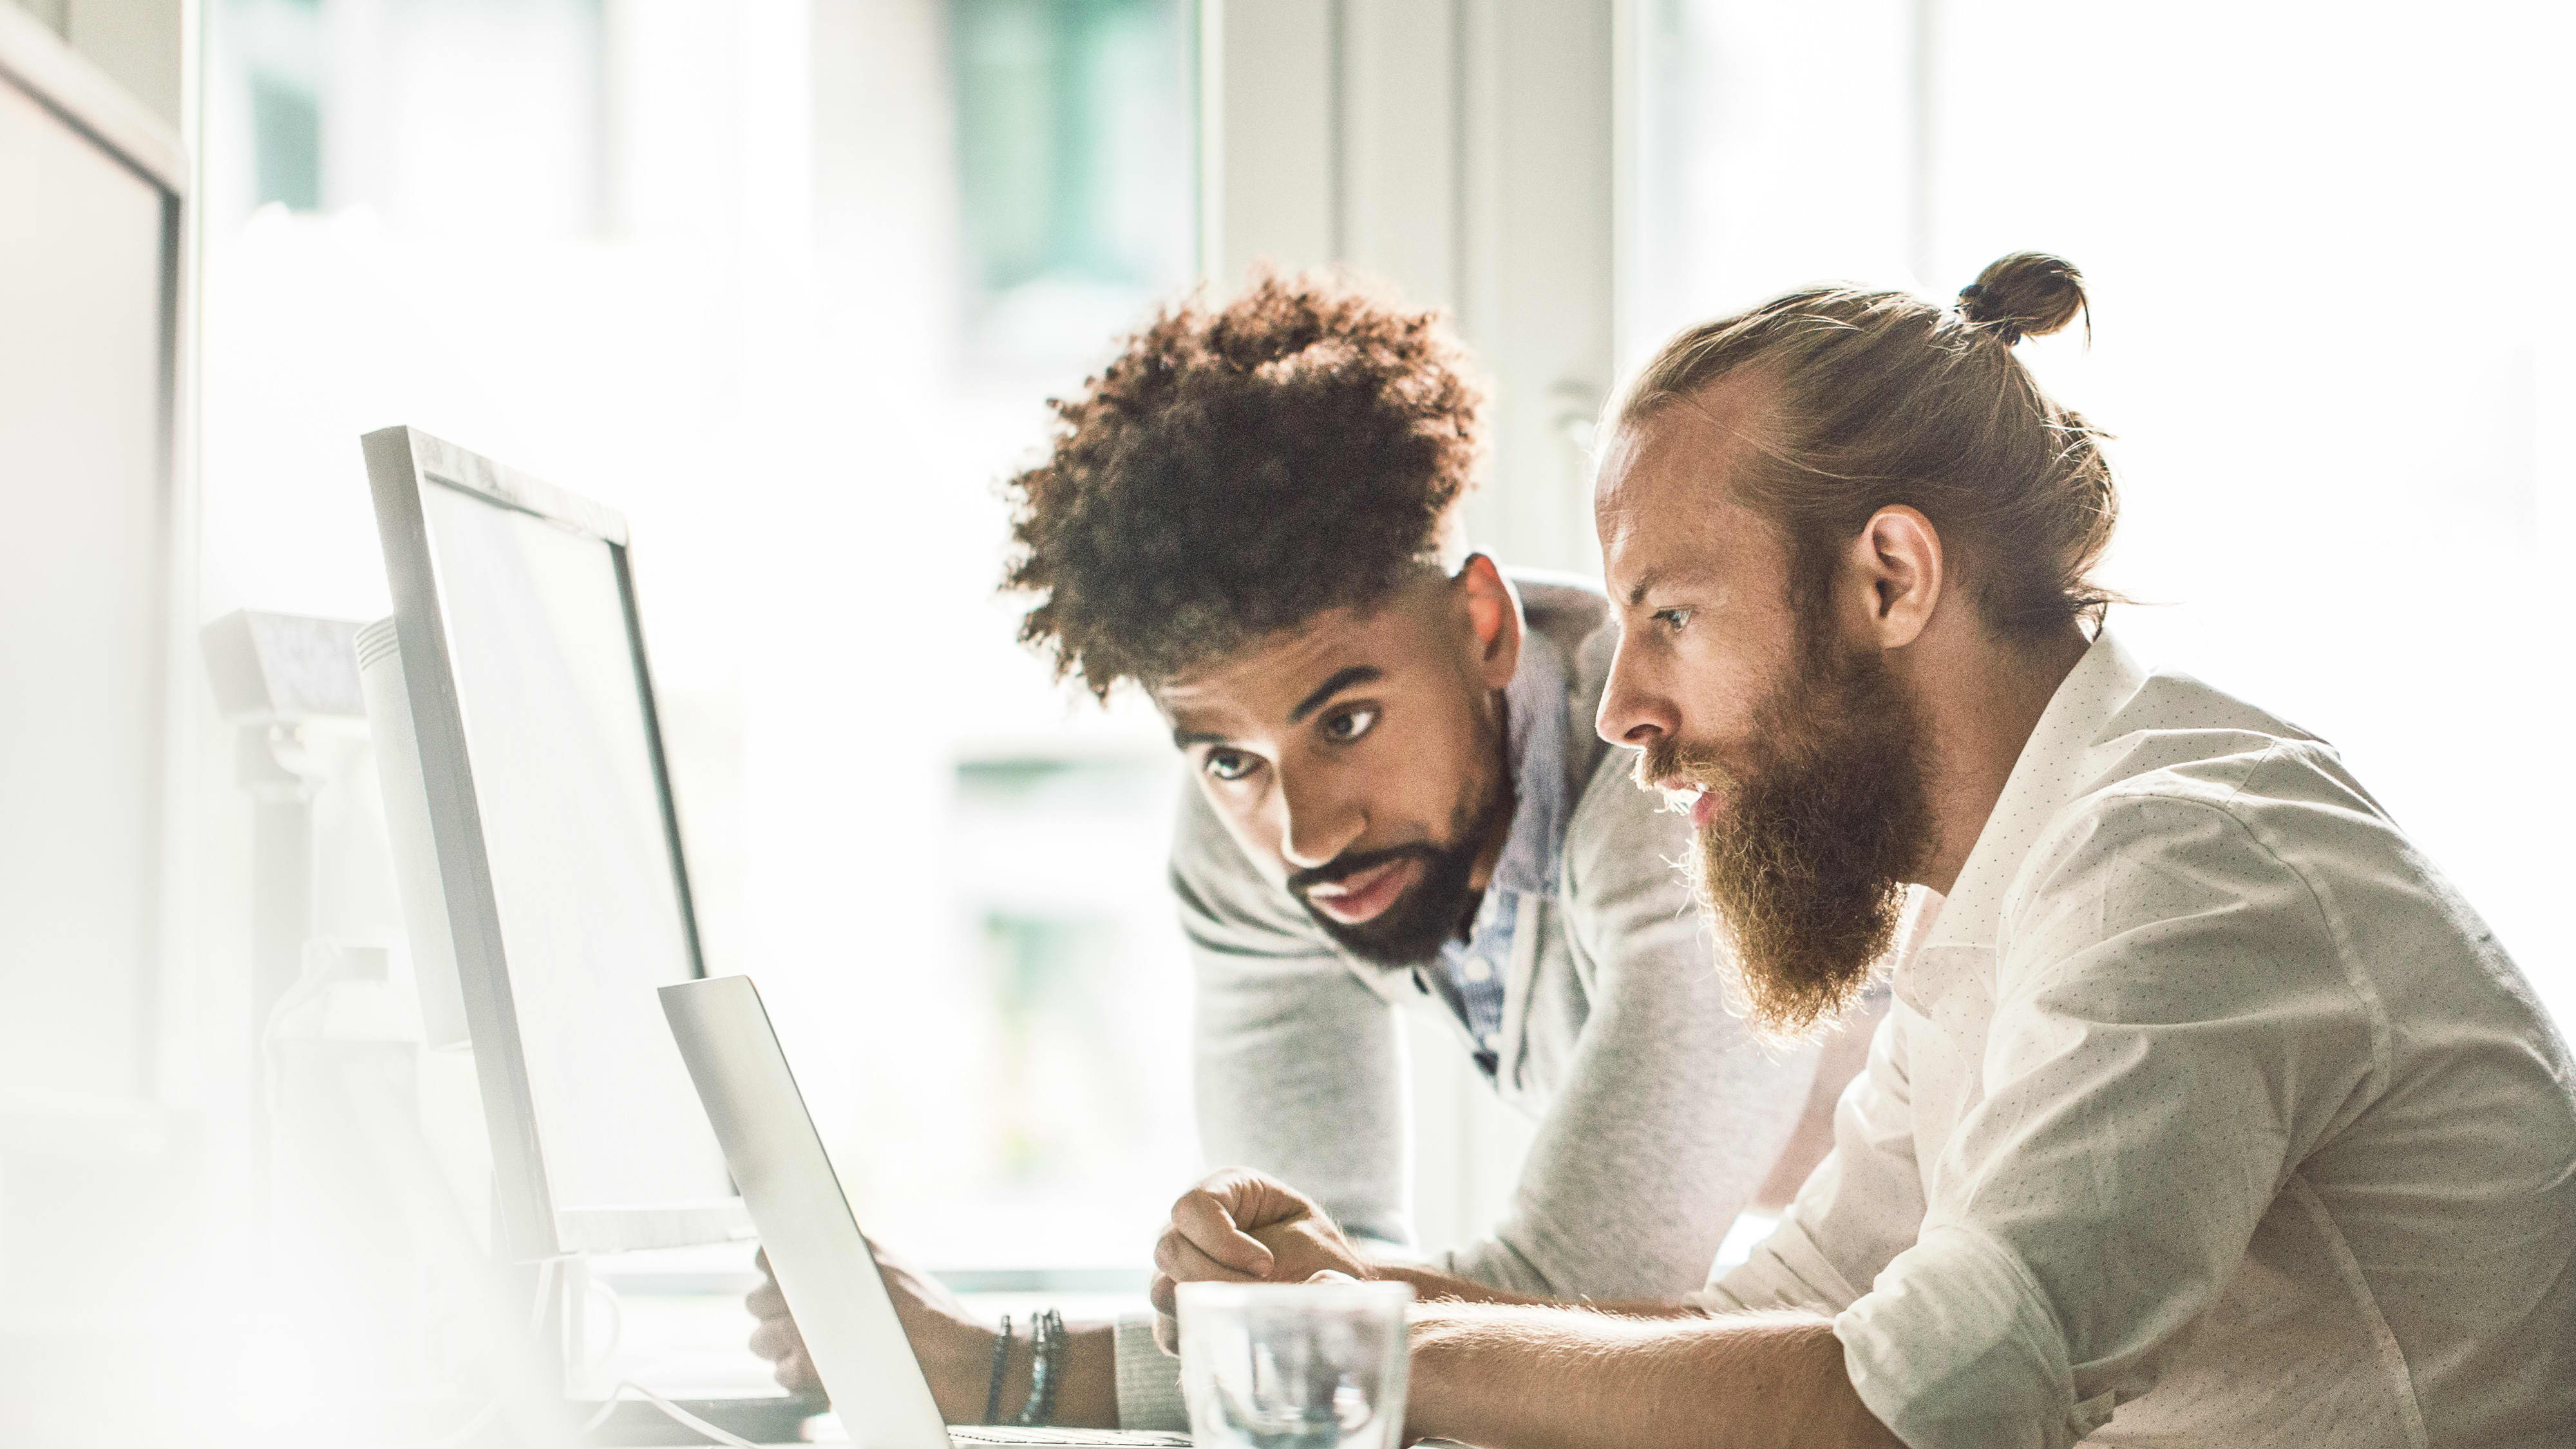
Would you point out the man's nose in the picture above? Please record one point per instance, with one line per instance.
(1317, 825)
(1633, 711)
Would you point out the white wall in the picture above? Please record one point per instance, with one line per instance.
(84, 593)
(100, 1199)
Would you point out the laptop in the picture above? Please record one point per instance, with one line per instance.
(815, 1248)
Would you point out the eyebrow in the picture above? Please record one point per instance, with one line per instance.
(1646, 583)
(1344, 679)
(1357, 674)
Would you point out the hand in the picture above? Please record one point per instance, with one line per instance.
(1242, 1227)
(776, 1339)
(955, 1348)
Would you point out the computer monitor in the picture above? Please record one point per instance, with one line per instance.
(557, 848)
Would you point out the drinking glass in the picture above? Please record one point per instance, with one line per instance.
(1294, 1365)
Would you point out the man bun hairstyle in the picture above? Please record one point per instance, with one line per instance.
(1237, 470)
(1871, 399)
(2027, 294)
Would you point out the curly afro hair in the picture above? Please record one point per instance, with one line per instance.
(1238, 470)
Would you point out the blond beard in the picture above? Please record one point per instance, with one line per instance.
(1804, 873)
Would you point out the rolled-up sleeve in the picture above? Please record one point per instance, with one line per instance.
(2172, 1030)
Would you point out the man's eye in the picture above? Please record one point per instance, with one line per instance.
(1672, 619)
(1349, 725)
(1230, 764)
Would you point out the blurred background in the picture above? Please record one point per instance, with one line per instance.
(790, 282)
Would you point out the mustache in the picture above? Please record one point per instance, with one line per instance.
(1670, 759)
(1342, 867)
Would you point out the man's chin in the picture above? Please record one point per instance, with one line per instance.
(1430, 909)
(1404, 935)
(1802, 856)
(1803, 942)
(1792, 986)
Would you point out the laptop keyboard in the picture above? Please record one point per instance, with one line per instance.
(1012, 1437)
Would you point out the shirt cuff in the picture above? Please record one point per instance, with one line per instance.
(1149, 1380)
(1956, 1347)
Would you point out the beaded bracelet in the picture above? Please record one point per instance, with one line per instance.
(1046, 1336)
(1001, 1361)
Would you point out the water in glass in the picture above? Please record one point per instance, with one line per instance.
(1294, 1366)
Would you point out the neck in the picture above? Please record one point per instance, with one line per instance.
(1498, 831)
(1980, 699)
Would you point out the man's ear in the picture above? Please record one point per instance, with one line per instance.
(1898, 557)
(1493, 613)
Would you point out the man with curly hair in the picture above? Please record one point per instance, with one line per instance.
(1253, 514)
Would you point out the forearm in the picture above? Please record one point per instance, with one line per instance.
(1086, 1376)
(1432, 1286)
(1555, 1378)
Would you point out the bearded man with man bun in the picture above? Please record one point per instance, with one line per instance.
(2206, 1111)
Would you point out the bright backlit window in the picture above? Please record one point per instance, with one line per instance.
(790, 291)
(2317, 244)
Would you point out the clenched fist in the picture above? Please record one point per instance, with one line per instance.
(1242, 1227)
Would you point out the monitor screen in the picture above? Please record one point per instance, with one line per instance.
(589, 891)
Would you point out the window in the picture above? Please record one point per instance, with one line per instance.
(287, 128)
(1073, 152)
(1071, 1023)
(668, 256)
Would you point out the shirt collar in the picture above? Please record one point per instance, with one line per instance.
(1534, 710)
(2052, 767)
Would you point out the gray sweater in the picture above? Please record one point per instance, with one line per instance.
(1658, 1113)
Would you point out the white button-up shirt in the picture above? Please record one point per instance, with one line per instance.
(2206, 1113)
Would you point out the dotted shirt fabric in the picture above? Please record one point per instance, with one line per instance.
(2206, 1112)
